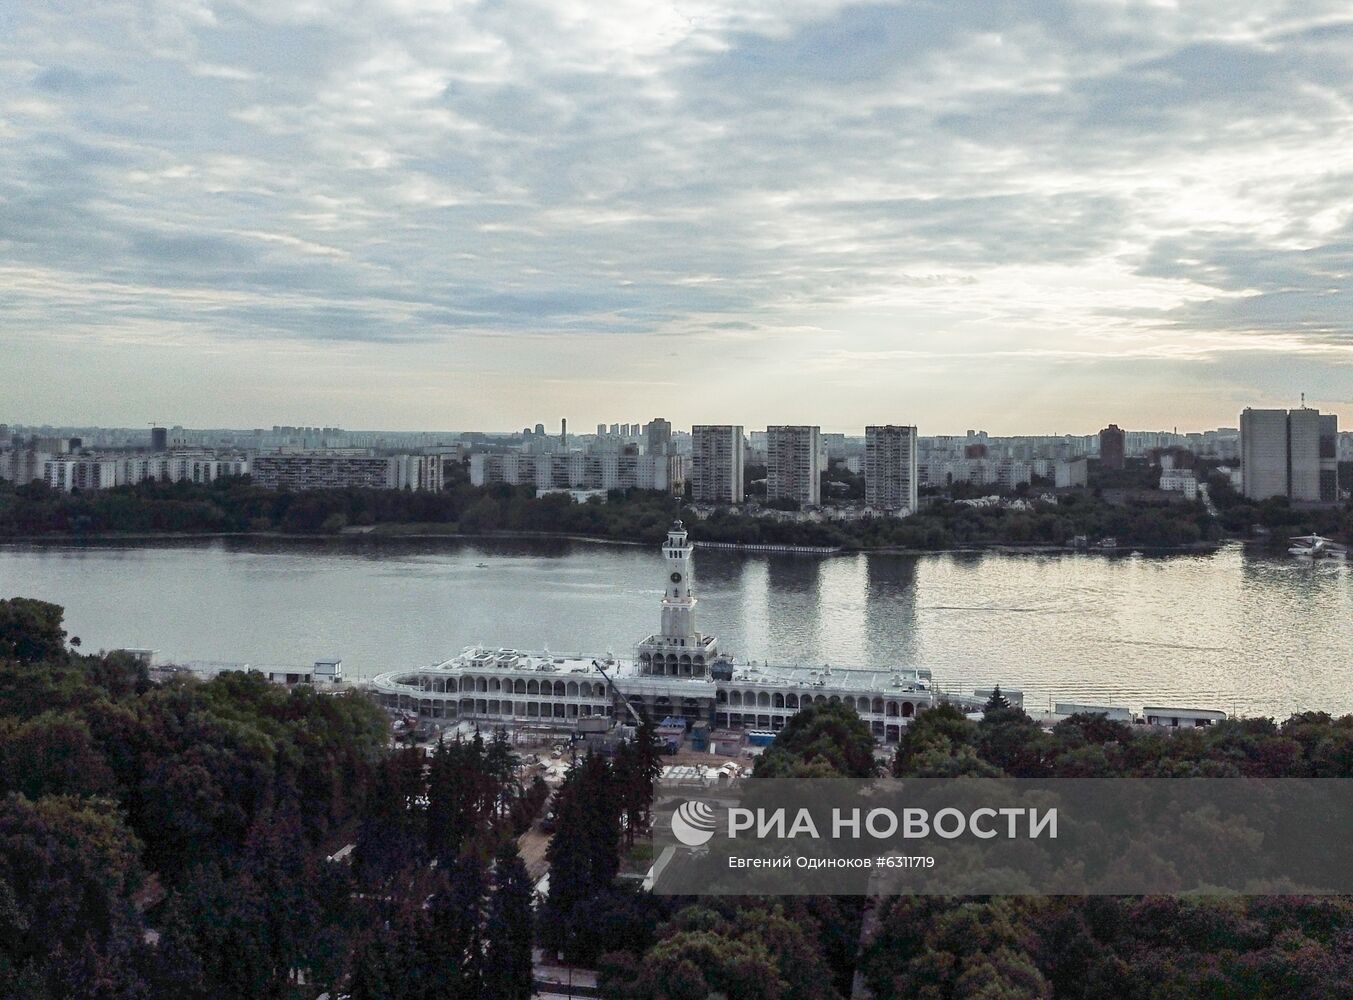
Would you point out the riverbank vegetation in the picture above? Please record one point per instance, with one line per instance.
(236, 506)
(178, 839)
(1018, 948)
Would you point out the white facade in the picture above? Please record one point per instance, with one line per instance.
(1179, 481)
(1005, 473)
(794, 464)
(178, 468)
(678, 671)
(67, 474)
(578, 471)
(891, 477)
(1071, 473)
(717, 453)
(23, 465)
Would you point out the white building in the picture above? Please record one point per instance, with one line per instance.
(1181, 718)
(1004, 473)
(67, 474)
(179, 468)
(1071, 473)
(717, 455)
(1179, 481)
(677, 671)
(891, 478)
(794, 464)
(22, 465)
(579, 471)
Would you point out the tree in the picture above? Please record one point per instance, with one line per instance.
(823, 740)
(1009, 739)
(940, 732)
(584, 853)
(68, 869)
(31, 632)
(508, 930)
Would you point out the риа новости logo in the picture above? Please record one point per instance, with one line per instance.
(693, 823)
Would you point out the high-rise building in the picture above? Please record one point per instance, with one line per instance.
(1112, 447)
(1289, 453)
(890, 478)
(1303, 455)
(794, 464)
(1263, 453)
(159, 438)
(1329, 458)
(717, 463)
(657, 436)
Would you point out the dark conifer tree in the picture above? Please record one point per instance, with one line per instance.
(508, 931)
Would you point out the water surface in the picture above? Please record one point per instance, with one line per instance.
(1227, 630)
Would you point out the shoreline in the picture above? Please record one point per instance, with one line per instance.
(420, 533)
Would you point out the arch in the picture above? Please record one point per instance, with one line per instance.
(778, 700)
(519, 687)
(791, 701)
(892, 710)
(481, 684)
(559, 689)
(877, 707)
(572, 690)
(763, 700)
(735, 698)
(533, 687)
(908, 710)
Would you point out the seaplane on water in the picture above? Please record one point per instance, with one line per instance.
(1316, 547)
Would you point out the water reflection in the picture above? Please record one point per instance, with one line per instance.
(1228, 630)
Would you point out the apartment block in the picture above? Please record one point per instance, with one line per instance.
(717, 453)
(890, 469)
(794, 464)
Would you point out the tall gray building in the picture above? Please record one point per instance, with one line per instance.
(717, 463)
(657, 436)
(1289, 453)
(890, 474)
(794, 464)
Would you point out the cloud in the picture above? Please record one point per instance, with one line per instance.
(796, 183)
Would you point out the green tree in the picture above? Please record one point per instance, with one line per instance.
(508, 929)
(31, 632)
(823, 740)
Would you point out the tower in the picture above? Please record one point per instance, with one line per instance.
(677, 649)
(678, 602)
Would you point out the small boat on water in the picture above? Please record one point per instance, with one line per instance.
(481, 565)
(1316, 547)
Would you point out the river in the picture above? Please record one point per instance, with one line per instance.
(1229, 630)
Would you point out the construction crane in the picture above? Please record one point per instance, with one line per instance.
(616, 692)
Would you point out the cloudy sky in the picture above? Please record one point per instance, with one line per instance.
(405, 213)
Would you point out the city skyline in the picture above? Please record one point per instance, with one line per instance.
(402, 215)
